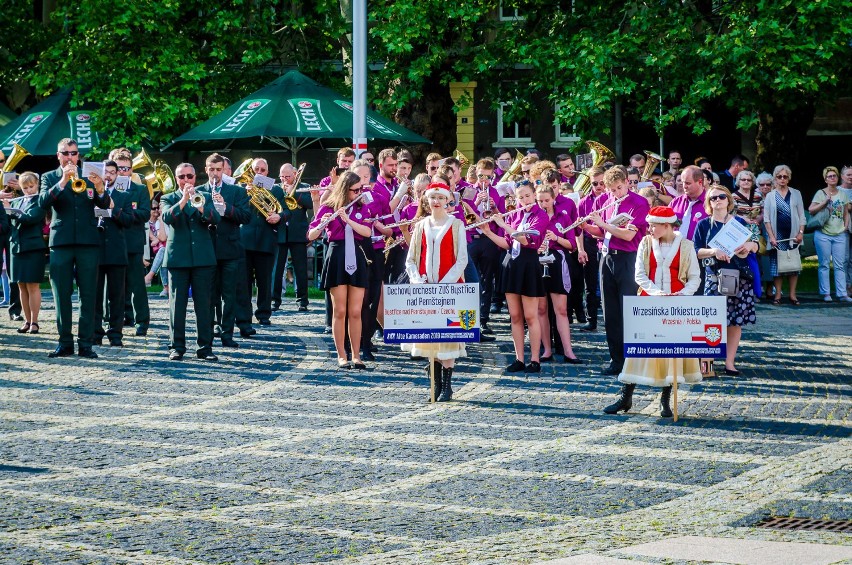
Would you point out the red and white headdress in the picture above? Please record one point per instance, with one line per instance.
(439, 188)
(661, 215)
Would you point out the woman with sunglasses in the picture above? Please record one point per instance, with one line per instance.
(344, 271)
(832, 239)
(720, 204)
(784, 219)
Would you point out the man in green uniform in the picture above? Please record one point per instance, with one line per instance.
(292, 238)
(191, 261)
(74, 248)
(136, 296)
(232, 205)
(113, 258)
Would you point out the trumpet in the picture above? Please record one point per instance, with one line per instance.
(78, 185)
(289, 200)
(197, 200)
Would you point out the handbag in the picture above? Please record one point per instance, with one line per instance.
(789, 261)
(729, 281)
(817, 221)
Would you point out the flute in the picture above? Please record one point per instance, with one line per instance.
(365, 196)
(494, 216)
(585, 219)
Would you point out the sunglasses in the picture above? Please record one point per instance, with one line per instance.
(155, 207)
(633, 181)
(123, 169)
(746, 180)
(69, 153)
(186, 176)
(2, 161)
(718, 197)
(782, 176)
(484, 177)
(356, 190)
(597, 183)
(370, 159)
(764, 184)
(522, 183)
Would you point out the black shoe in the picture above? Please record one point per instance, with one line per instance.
(611, 371)
(16, 317)
(228, 342)
(217, 331)
(206, 355)
(141, 330)
(358, 365)
(276, 306)
(581, 319)
(516, 367)
(625, 401)
(265, 322)
(175, 355)
(486, 330)
(665, 398)
(590, 327)
(438, 368)
(367, 355)
(128, 322)
(573, 361)
(302, 308)
(486, 338)
(61, 351)
(533, 367)
(87, 353)
(248, 333)
(546, 359)
(116, 343)
(446, 385)
(732, 372)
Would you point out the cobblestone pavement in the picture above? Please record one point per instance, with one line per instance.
(273, 455)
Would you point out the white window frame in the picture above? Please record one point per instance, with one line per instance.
(509, 140)
(559, 137)
(514, 17)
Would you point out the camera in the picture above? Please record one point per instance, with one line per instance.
(708, 261)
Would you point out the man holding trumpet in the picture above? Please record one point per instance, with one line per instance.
(191, 260)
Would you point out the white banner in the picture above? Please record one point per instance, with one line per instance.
(431, 312)
(675, 326)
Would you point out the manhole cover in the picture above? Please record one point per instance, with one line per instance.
(778, 523)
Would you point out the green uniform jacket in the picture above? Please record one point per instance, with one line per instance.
(293, 227)
(113, 240)
(258, 234)
(237, 211)
(190, 242)
(4, 226)
(27, 235)
(136, 233)
(74, 221)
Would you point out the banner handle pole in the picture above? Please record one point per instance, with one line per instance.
(674, 397)
(432, 375)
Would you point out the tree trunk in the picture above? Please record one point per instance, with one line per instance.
(431, 116)
(781, 134)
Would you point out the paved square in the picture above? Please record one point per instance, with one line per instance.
(273, 455)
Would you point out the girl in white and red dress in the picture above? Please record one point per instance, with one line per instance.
(666, 265)
(522, 232)
(344, 271)
(438, 254)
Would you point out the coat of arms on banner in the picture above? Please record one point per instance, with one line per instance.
(467, 318)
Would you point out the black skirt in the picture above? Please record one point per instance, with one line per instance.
(28, 267)
(555, 283)
(334, 267)
(522, 275)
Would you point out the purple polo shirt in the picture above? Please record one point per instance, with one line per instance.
(635, 205)
(560, 220)
(697, 212)
(538, 220)
(336, 229)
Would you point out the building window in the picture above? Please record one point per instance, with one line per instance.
(512, 132)
(509, 13)
(564, 135)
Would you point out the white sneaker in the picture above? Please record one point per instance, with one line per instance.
(844, 299)
(827, 298)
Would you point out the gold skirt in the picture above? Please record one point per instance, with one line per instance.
(660, 371)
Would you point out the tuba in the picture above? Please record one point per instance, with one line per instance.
(514, 168)
(14, 158)
(600, 155)
(289, 199)
(161, 179)
(264, 201)
(462, 159)
(651, 162)
(244, 173)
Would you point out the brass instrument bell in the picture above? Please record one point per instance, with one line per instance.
(289, 199)
(514, 168)
(651, 162)
(17, 154)
(600, 155)
(264, 201)
(244, 173)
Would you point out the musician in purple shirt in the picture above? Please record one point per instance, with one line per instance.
(621, 239)
(523, 232)
(591, 269)
(344, 272)
(689, 206)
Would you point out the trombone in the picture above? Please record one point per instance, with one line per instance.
(289, 199)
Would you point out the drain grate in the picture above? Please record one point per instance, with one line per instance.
(778, 523)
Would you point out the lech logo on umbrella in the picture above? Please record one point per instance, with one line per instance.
(25, 130)
(371, 121)
(81, 129)
(309, 116)
(242, 116)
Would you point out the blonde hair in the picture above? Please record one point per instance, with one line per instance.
(539, 167)
(830, 169)
(28, 177)
(720, 188)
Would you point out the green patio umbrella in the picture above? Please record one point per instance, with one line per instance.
(38, 129)
(292, 111)
(6, 115)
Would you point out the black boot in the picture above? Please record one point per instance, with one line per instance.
(624, 403)
(438, 368)
(665, 397)
(446, 385)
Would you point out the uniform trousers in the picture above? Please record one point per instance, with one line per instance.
(591, 273)
(66, 262)
(259, 272)
(181, 279)
(111, 278)
(136, 294)
(485, 255)
(617, 281)
(298, 252)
